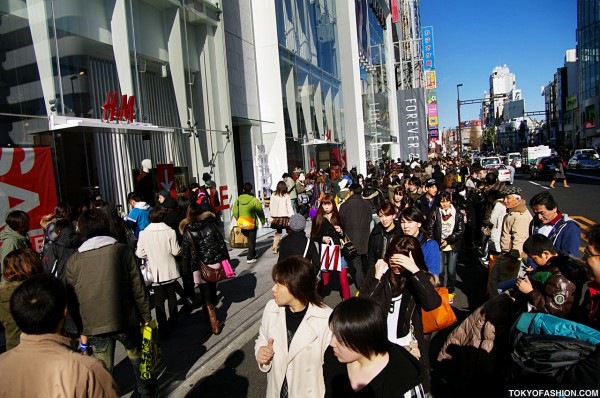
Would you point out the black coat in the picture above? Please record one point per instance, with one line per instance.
(208, 244)
(327, 229)
(58, 251)
(379, 240)
(294, 243)
(456, 237)
(402, 373)
(422, 203)
(356, 218)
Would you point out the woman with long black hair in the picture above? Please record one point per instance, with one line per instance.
(400, 284)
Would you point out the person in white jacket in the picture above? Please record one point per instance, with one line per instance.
(158, 245)
(294, 333)
(281, 210)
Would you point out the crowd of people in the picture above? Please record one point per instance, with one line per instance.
(396, 234)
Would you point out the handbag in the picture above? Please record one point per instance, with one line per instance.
(151, 352)
(349, 251)
(146, 273)
(280, 222)
(208, 274)
(330, 257)
(237, 239)
(441, 317)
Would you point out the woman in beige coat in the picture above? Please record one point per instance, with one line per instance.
(280, 206)
(158, 244)
(294, 333)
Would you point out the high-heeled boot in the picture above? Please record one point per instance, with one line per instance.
(276, 240)
(210, 308)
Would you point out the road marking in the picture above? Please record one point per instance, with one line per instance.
(584, 175)
(539, 185)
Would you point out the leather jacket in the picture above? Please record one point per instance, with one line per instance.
(208, 244)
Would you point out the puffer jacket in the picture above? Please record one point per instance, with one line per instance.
(557, 286)
(57, 252)
(208, 244)
(248, 206)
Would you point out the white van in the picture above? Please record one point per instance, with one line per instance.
(514, 159)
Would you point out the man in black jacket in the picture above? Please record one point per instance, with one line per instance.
(356, 220)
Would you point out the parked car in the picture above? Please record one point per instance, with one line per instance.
(491, 161)
(544, 167)
(588, 151)
(583, 161)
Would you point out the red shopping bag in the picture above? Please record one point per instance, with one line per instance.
(330, 257)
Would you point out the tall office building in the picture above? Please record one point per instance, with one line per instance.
(588, 47)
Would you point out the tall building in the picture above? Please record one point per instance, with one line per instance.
(108, 84)
(588, 47)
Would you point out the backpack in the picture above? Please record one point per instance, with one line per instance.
(540, 358)
(204, 201)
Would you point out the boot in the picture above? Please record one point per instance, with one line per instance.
(210, 308)
(276, 240)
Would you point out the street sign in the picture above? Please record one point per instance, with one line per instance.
(166, 178)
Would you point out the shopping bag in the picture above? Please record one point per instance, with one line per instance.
(441, 317)
(227, 268)
(312, 212)
(146, 273)
(237, 240)
(330, 257)
(150, 350)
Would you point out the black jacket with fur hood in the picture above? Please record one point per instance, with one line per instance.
(208, 244)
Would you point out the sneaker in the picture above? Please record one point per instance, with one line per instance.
(451, 298)
(251, 260)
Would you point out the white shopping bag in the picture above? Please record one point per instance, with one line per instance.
(330, 257)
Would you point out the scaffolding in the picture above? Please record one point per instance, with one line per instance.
(408, 51)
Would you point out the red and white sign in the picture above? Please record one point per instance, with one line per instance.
(224, 198)
(115, 112)
(165, 174)
(27, 184)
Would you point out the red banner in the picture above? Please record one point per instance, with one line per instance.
(27, 184)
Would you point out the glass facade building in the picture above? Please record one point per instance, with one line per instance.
(61, 59)
(310, 82)
(588, 58)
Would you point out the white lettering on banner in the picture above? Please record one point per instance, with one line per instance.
(30, 200)
(415, 130)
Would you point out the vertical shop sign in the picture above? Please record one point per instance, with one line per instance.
(412, 123)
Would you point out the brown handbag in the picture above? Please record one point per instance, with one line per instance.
(441, 317)
(208, 274)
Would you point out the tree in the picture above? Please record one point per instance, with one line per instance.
(489, 137)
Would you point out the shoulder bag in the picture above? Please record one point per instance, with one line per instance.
(349, 251)
(441, 317)
(245, 222)
(207, 273)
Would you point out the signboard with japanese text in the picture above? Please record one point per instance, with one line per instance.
(427, 41)
(27, 184)
(430, 79)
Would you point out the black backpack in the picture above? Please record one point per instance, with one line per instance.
(543, 360)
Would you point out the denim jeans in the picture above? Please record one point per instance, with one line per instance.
(103, 348)
(448, 265)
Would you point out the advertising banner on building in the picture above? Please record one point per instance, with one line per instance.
(27, 184)
(428, 54)
(430, 79)
(412, 120)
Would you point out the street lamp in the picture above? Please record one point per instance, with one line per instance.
(459, 130)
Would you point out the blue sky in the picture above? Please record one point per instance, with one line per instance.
(471, 37)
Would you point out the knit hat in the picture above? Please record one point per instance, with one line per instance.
(512, 191)
(164, 193)
(343, 182)
(297, 222)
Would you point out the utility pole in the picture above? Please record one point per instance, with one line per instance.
(459, 129)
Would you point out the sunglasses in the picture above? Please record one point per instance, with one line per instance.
(587, 253)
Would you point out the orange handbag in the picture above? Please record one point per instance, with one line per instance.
(441, 317)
